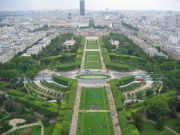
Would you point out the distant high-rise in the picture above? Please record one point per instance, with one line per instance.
(82, 7)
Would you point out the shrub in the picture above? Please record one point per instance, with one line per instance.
(159, 123)
(157, 107)
(4, 127)
(39, 105)
(65, 114)
(61, 80)
(137, 120)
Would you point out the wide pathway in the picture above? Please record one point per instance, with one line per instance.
(115, 120)
(74, 121)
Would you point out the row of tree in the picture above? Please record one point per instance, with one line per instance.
(168, 70)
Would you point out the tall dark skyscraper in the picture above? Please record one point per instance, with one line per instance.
(82, 7)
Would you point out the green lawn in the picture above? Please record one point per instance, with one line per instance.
(3, 85)
(92, 53)
(48, 129)
(94, 98)
(95, 124)
(92, 60)
(34, 130)
(92, 44)
(93, 65)
(92, 56)
(149, 129)
(92, 76)
(174, 124)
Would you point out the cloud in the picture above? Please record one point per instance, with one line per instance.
(90, 4)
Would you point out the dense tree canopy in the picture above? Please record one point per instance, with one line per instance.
(157, 107)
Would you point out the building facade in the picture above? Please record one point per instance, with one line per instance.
(82, 7)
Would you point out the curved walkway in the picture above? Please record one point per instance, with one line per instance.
(24, 126)
(122, 86)
(147, 85)
(160, 88)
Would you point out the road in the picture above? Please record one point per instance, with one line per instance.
(92, 83)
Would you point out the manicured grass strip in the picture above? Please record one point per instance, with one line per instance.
(48, 129)
(94, 98)
(92, 44)
(95, 124)
(92, 60)
(92, 56)
(34, 130)
(92, 76)
(92, 52)
(149, 129)
(93, 65)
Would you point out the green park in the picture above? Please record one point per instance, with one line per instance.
(67, 90)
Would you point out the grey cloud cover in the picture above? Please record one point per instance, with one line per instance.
(90, 4)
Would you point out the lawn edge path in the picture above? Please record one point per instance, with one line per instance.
(114, 116)
(74, 122)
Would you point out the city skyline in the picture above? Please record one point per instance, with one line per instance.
(100, 5)
(89, 67)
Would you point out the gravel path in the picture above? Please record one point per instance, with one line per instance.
(73, 127)
(147, 85)
(115, 120)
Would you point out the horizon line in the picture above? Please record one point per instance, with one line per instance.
(89, 10)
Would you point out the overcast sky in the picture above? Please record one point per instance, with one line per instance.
(90, 4)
